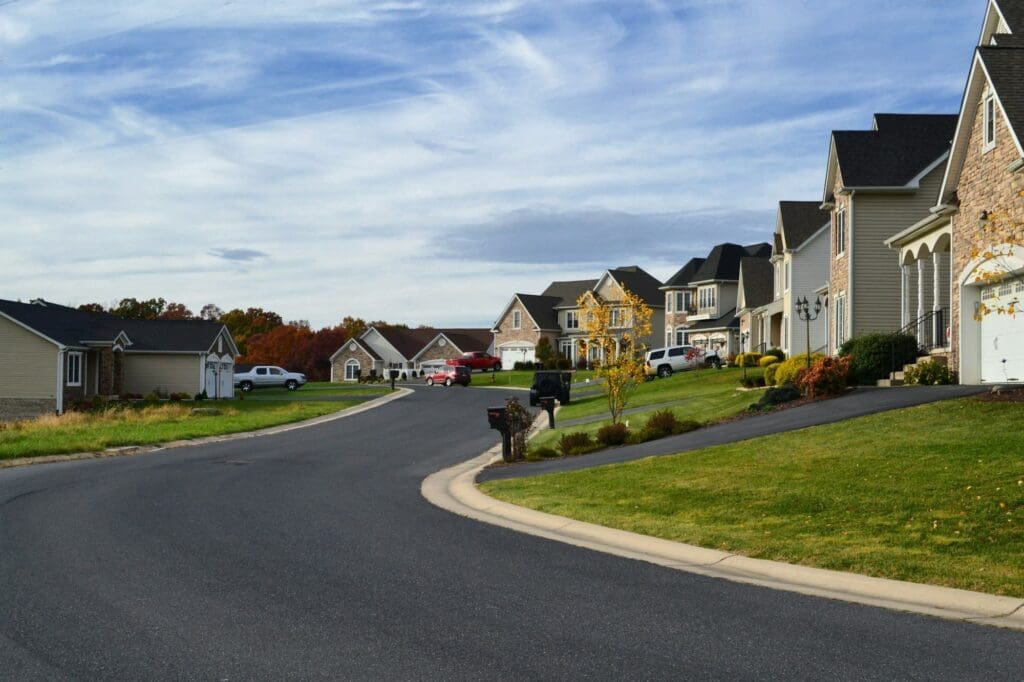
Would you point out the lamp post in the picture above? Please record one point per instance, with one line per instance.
(743, 348)
(803, 311)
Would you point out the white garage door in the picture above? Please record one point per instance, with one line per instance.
(1002, 341)
(510, 355)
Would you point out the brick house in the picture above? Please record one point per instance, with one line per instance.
(410, 351)
(877, 182)
(984, 176)
(52, 355)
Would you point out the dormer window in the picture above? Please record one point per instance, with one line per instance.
(990, 122)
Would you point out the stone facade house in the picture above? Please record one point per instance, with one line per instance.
(983, 182)
(680, 302)
(877, 182)
(410, 351)
(355, 359)
(52, 356)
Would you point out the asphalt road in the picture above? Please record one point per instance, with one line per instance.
(312, 555)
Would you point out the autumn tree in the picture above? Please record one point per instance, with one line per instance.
(92, 308)
(211, 311)
(244, 324)
(134, 309)
(177, 311)
(619, 329)
(1003, 231)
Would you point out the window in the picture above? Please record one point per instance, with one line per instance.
(990, 122)
(565, 348)
(261, 371)
(572, 320)
(682, 301)
(668, 336)
(840, 224)
(74, 369)
(840, 319)
(517, 319)
(668, 302)
(352, 370)
(706, 296)
(680, 336)
(276, 371)
(616, 320)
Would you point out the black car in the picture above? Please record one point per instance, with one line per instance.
(550, 384)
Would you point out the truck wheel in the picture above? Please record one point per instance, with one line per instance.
(664, 371)
(291, 384)
(246, 386)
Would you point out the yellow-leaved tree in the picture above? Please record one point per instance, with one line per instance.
(1000, 261)
(618, 328)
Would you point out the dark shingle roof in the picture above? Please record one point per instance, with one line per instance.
(799, 220)
(1013, 12)
(408, 342)
(640, 282)
(72, 327)
(725, 321)
(723, 263)
(542, 309)
(685, 274)
(568, 292)
(1005, 67)
(469, 340)
(901, 146)
(757, 276)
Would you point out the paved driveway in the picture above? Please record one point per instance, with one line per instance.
(312, 555)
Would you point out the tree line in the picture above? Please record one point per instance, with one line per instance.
(262, 336)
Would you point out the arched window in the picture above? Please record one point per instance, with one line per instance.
(352, 370)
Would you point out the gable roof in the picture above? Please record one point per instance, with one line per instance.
(892, 154)
(469, 340)
(542, 309)
(408, 342)
(726, 321)
(723, 262)
(685, 274)
(568, 293)
(365, 347)
(640, 282)
(757, 281)
(74, 328)
(1011, 11)
(798, 221)
(1003, 68)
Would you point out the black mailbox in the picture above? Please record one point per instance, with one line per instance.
(496, 418)
(394, 374)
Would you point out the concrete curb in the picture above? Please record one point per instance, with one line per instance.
(454, 489)
(269, 431)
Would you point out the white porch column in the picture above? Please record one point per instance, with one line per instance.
(920, 288)
(905, 294)
(936, 281)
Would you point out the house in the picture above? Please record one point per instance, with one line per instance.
(52, 355)
(948, 248)
(555, 315)
(877, 182)
(754, 292)
(714, 325)
(409, 350)
(680, 301)
(800, 268)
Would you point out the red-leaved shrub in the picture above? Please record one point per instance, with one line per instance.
(827, 376)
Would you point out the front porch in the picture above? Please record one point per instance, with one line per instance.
(926, 283)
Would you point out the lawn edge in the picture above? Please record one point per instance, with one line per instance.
(455, 490)
(126, 450)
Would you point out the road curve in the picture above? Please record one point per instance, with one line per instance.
(311, 554)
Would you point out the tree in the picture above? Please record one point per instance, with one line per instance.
(211, 311)
(618, 328)
(544, 353)
(92, 308)
(134, 309)
(176, 311)
(1000, 260)
(245, 324)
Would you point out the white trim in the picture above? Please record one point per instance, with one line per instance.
(77, 354)
(60, 381)
(804, 243)
(988, 120)
(916, 180)
(349, 363)
(517, 319)
(382, 338)
(164, 352)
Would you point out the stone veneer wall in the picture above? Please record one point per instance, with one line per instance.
(506, 333)
(985, 185)
(359, 355)
(12, 409)
(435, 351)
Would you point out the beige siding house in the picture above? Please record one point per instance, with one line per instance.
(52, 356)
(879, 181)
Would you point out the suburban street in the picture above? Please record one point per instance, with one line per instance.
(311, 554)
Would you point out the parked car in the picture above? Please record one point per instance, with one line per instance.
(664, 361)
(261, 376)
(485, 362)
(451, 374)
(550, 384)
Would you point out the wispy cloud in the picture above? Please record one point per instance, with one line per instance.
(386, 158)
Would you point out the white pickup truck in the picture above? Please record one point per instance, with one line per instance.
(259, 376)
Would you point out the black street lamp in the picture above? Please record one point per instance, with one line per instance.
(803, 311)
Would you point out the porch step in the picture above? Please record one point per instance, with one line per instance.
(887, 383)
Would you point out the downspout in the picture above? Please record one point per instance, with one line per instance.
(60, 380)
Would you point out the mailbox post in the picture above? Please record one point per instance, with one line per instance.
(498, 420)
(394, 375)
(547, 403)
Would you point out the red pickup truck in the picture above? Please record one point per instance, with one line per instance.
(485, 362)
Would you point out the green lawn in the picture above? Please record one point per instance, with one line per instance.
(85, 432)
(704, 395)
(931, 494)
(320, 389)
(519, 378)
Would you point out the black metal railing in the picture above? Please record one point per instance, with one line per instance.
(929, 330)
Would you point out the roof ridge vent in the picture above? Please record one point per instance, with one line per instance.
(37, 301)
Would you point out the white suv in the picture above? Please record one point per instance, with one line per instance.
(664, 361)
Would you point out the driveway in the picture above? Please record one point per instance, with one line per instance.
(859, 402)
(311, 554)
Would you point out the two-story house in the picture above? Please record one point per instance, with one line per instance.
(754, 292)
(714, 324)
(680, 301)
(982, 182)
(555, 314)
(877, 182)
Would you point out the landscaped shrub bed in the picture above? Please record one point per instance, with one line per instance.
(930, 373)
(768, 360)
(875, 355)
(826, 377)
(789, 371)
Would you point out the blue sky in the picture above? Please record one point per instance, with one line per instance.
(420, 161)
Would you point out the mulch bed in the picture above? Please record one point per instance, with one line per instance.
(1003, 395)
